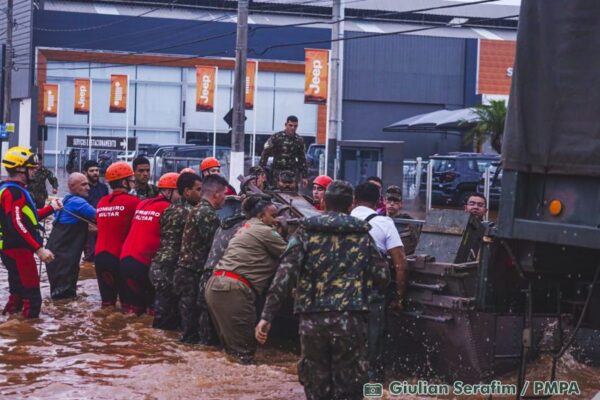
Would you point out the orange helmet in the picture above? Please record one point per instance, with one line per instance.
(188, 170)
(322, 180)
(117, 171)
(208, 163)
(168, 181)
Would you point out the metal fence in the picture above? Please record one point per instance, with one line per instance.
(412, 173)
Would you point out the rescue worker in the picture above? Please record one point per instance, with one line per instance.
(68, 237)
(19, 235)
(388, 241)
(198, 235)
(141, 245)
(114, 215)
(334, 266)
(286, 182)
(241, 277)
(212, 166)
(476, 205)
(318, 191)
(143, 189)
(97, 191)
(393, 209)
(288, 152)
(172, 222)
(37, 186)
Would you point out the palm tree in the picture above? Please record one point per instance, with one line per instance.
(491, 122)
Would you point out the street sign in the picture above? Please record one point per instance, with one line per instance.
(5, 129)
(101, 142)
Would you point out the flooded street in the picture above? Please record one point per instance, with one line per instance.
(76, 351)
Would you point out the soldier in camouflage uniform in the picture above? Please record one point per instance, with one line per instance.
(198, 234)
(288, 152)
(393, 209)
(229, 227)
(143, 188)
(37, 186)
(335, 268)
(172, 222)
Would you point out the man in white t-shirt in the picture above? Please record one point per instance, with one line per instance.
(386, 237)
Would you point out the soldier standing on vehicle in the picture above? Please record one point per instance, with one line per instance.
(288, 152)
(386, 237)
(37, 186)
(143, 189)
(172, 222)
(19, 220)
(335, 267)
(242, 276)
(113, 216)
(198, 234)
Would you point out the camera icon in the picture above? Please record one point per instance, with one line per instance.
(372, 390)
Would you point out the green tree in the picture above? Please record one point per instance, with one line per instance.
(491, 123)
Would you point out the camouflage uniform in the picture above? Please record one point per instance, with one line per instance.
(172, 222)
(200, 228)
(147, 192)
(37, 187)
(288, 153)
(223, 235)
(335, 268)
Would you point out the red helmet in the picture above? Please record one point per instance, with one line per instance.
(208, 163)
(322, 180)
(168, 181)
(117, 171)
(188, 170)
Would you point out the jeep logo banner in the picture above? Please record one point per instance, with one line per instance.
(50, 100)
(251, 71)
(205, 88)
(82, 96)
(316, 75)
(118, 93)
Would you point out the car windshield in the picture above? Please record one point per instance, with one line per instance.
(443, 165)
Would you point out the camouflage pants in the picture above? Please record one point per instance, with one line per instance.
(333, 367)
(207, 334)
(166, 311)
(185, 284)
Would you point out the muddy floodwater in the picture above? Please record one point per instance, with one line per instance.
(78, 351)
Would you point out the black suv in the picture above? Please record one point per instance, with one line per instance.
(455, 175)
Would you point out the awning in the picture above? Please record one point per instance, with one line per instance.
(440, 120)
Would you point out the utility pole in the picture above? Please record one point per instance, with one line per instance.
(337, 79)
(8, 64)
(236, 166)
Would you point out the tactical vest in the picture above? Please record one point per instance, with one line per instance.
(335, 275)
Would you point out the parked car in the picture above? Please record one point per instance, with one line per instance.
(495, 185)
(313, 156)
(455, 175)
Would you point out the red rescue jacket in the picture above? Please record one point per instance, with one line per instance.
(143, 239)
(114, 213)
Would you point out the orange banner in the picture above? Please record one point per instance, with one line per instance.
(118, 93)
(82, 96)
(251, 71)
(316, 75)
(206, 81)
(50, 100)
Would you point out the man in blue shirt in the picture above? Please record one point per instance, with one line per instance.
(68, 238)
(97, 191)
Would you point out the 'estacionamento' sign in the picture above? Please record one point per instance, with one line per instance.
(101, 142)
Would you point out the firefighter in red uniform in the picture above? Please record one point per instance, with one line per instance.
(141, 244)
(19, 235)
(114, 213)
(318, 191)
(210, 166)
